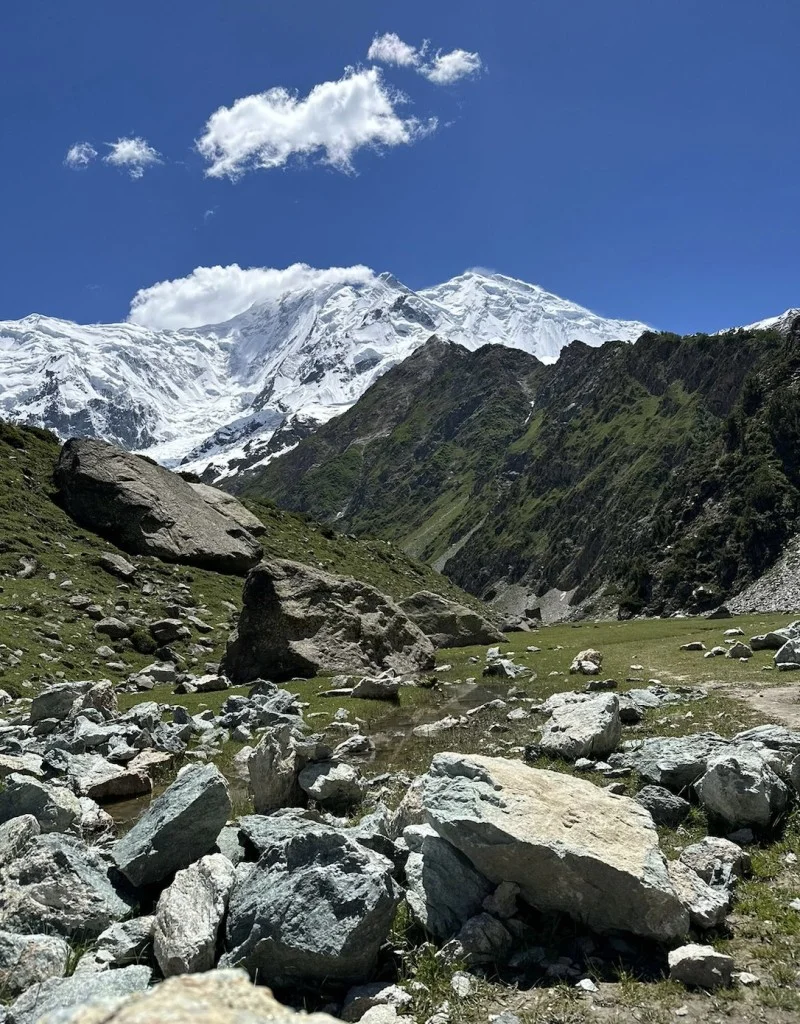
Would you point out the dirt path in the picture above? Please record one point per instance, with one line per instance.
(777, 703)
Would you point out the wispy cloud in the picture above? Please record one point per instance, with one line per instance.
(80, 155)
(212, 295)
(441, 69)
(333, 121)
(133, 155)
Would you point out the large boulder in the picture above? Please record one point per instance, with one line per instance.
(788, 656)
(216, 997)
(28, 959)
(148, 510)
(59, 885)
(675, 762)
(590, 728)
(55, 808)
(298, 621)
(316, 907)
(447, 623)
(178, 827)
(56, 995)
(570, 846)
(189, 914)
(273, 767)
(740, 790)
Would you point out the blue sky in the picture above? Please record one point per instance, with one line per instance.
(638, 156)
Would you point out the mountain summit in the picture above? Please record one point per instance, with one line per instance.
(225, 396)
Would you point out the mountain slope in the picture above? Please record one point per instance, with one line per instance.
(227, 396)
(652, 470)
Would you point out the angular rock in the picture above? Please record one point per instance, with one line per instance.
(55, 808)
(772, 641)
(317, 906)
(230, 507)
(568, 845)
(789, 654)
(591, 728)
(56, 701)
(93, 776)
(147, 510)
(447, 623)
(60, 885)
(113, 627)
(16, 835)
(443, 889)
(297, 621)
(217, 997)
(382, 688)
(120, 945)
(700, 967)
(334, 786)
(674, 762)
(485, 940)
(363, 998)
(189, 914)
(59, 994)
(273, 768)
(741, 790)
(178, 827)
(739, 650)
(587, 662)
(719, 862)
(708, 907)
(167, 631)
(26, 960)
(117, 565)
(665, 807)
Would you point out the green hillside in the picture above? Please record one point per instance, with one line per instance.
(657, 468)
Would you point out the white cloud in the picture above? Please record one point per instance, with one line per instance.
(212, 295)
(80, 155)
(335, 119)
(390, 49)
(449, 67)
(133, 155)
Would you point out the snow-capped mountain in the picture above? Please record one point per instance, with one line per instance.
(220, 397)
(780, 323)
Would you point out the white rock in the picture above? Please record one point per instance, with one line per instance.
(700, 966)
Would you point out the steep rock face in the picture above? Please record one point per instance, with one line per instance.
(148, 510)
(297, 620)
(666, 471)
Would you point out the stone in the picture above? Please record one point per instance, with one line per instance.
(788, 654)
(739, 650)
(332, 785)
(16, 835)
(708, 907)
(189, 914)
(695, 645)
(55, 808)
(587, 662)
(665, 807)
(179, 826)
(211, 684)
(443, 889)
(116, 565)
(719, 862)
(230, 507)
(56, 994)
(26, 960)
(168, 631)
(740, 790)
(362, 998)
(216, 997)
(485, 940)
(700, 967)
(316, 907)
(430, 729)
(299, 621)
(502, 902)
(447, 623)
(571, 847)
(59, 885)
(383, 688)
(772, 641)
(273, 767)
(93, 776)
(113, 627)
(591, 728)
(673, 762)
(120, 945)
(24, 764)
(146, 509)
(56, 701)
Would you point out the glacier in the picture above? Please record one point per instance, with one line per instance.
(215, 399)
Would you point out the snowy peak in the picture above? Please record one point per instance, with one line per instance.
(224, 396)
(780, 323)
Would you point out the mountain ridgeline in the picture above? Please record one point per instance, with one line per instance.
(653, 477)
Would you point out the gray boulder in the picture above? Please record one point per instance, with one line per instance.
(60, 885)
(56, 701)
(443, 889)
(484, 940)
(82, 990)
(719, 862)
(333, 785)
(570, 846)
(316, 907)
(216, 997)
(93, 776)
(178, 827)
(189, 914)
(673, 762)
(788, 656)
(589, 728)
(120, 945)
(273, 767)
(665, 807)
(298, 621)
(26, 960)
(55, 808)
(772, 641)
(230, 507)
(740, 789)
(447, 623)
(708, 907)
(16, 835)
(700, 966)
(147, 510)
(116, 565)
(114, 628)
